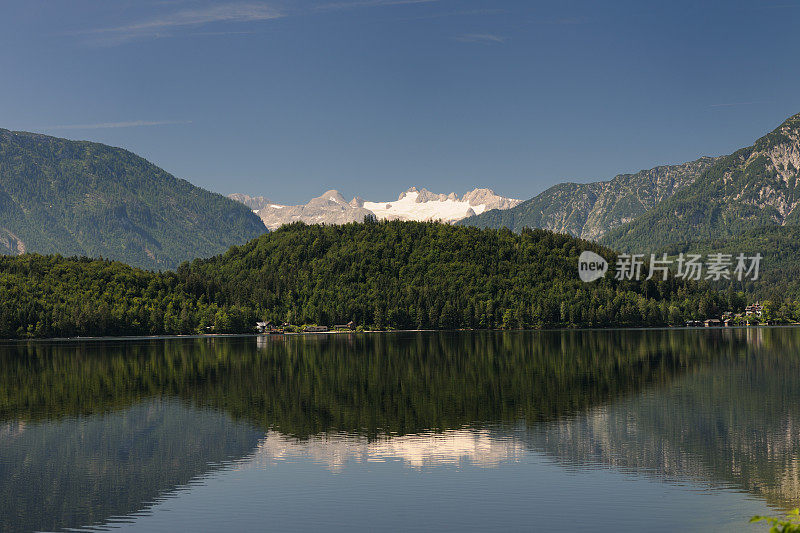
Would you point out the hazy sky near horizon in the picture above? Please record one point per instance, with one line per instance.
(289, 98)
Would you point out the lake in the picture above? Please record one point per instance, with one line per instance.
(625, 430)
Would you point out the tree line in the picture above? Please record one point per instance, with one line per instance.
(380, 275)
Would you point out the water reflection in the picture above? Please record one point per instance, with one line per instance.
(481, 448)
(104, 429)
(733, 422)
(83, 470)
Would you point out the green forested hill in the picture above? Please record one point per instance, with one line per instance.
(755, 187)
(780, 264)
(381, 275)
(83, 198)
(590, 210)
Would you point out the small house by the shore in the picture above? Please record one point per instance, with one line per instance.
(754, 310)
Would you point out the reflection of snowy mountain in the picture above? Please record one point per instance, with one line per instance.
(414, 204)
(477, 447)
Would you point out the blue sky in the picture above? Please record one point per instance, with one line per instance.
(290, 98)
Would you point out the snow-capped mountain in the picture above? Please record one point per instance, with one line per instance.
(413, 204)
(424, 205)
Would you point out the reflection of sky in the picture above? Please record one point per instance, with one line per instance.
(458, 480)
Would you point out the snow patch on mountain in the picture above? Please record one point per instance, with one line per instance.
(413, 204)
(421, 205)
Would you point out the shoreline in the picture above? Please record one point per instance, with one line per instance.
(325, 333)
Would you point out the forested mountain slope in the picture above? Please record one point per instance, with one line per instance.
(80, 198)
(589, 210)
(751, 188)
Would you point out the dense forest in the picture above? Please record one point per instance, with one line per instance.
(779, 246)
(387, 275)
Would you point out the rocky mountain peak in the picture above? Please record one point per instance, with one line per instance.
(331, 196)
(407, 192)
(256, 203)
(427, 196)
(413, 204)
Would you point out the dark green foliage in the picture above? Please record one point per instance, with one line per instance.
(401, 275)
(423, 275)
(82, 198)
(780, 266)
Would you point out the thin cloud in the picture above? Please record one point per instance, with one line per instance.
(161, 26)
(107, 125)
(483, 38)
(235, 13)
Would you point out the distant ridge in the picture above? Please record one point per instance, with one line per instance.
(590, 210)
(754, 187)
(82, 198)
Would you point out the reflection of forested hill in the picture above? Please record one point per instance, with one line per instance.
(736, 421)
(82, 471)
(368, 384)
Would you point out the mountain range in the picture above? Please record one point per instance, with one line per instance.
(413, 204)
(83, 198)
(66, 197)
(755, 187)
(710, 198)
(590, 210)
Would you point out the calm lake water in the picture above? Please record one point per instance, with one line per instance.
(661, 430)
